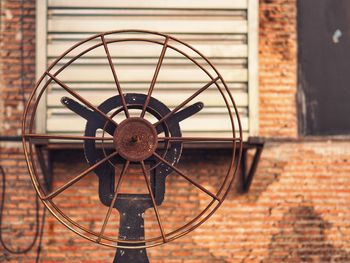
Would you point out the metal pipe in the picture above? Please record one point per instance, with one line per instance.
(10, 138)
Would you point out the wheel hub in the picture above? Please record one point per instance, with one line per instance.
(135, 139)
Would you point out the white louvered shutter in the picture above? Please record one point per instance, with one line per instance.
(220, 29)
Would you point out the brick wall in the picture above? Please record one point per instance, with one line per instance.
(18, 223)
(277, 68)
(11, 65)
(296, 210)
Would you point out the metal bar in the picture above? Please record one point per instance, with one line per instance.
(249, 177)
(153, 201)
(186, 177)
(78, 177)
(88, 114)
(77, 96)
(186, 101)
(155, 76)
(117, 83)
(45, 165)
(198, 139)
(10, 138)
(243, 171)
(120, 180)
(65, 137)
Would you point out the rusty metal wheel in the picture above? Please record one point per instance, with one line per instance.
(155, 144)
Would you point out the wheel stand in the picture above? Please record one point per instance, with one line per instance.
(131, 208)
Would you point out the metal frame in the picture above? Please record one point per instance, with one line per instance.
(40, 57)
(253, 57)
(47, 198)
(246, 175)
(45, 163)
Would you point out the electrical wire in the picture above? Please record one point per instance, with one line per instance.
(2, 205)
(38, 252)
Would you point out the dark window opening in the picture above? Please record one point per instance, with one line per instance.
(324, 67)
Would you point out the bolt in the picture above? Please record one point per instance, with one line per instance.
(135, 138)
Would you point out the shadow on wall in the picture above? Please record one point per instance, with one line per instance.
(302, 238)
(269, 171)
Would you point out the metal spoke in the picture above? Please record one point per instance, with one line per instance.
(116, 191)
(65, 137)
(155, 76)
(206, 86)
(153, 201)
(186, 177)
(117, 83)
(78, 177)
(77, 96)
(198, 139)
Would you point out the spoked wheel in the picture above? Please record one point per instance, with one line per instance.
(132, 128)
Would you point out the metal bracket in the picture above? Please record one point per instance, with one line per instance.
(246, 174)
(45, 162)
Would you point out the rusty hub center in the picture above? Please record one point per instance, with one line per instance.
(135, 139)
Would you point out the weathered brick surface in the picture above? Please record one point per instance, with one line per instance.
(297, 208)
(11, 66)
(278, 68)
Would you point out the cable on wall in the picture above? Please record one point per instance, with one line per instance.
(2, 203)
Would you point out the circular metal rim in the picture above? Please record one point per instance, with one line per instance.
(191, 225)
(233, 131)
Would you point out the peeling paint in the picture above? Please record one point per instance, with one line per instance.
(336, 36)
